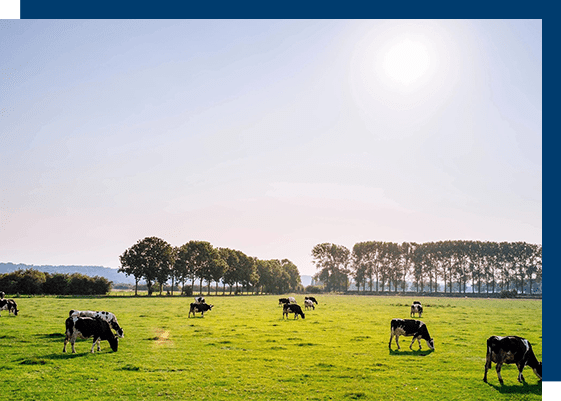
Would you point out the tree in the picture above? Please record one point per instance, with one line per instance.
(332, 260)
(150, 258)
(231, 271)
(293, 274)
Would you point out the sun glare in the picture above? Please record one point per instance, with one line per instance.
(406, 61)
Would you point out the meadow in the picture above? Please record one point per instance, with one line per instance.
(244, 349)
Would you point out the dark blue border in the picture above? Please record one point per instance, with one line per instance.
(142, 9)
(550, 218)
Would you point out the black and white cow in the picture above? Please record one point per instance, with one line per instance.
(410, 327)
(417, 308)
(511, 349)
(103, 315)
(9, 305)
(313, 299)
(200, 300)
(308, 303)
(199, 308)
(87, 327)
(2, 294)
(292, 308)
(283, 301)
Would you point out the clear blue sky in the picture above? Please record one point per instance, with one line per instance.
(266, 136)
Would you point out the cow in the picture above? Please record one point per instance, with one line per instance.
(283, 301)
(196, 308)
(292, 308)
(200, 300)
(9, 305)
(107, 316)
(410, 327)
(417, 308)
(511, 349)
(86, 327)
(313, 299)
(308, 303)
(2, 294)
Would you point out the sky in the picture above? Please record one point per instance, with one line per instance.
(266, 136)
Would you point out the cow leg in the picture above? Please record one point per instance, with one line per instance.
(65, 342)
(391, 338)
(487, 367)
(413, 342)
(520, 366)
(93, 345)
(397, 341)
(99, 343)
(498, 369)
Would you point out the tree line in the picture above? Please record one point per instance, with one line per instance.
(444, 266)
(156, 262)
(33, 282)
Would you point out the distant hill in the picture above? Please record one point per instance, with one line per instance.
(92, 271)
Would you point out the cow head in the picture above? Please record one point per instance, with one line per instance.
(115, 326)
(538, 370)
(114, 343)
(430, 343)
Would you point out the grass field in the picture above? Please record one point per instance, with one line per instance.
(243, 349)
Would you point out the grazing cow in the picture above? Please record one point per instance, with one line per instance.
(9, 305)
(283, 301)
(86, 327)
(308, 303)
(200, 300)
(410, 327)
(417, 308)
(2, 294)
(196, 308)
(292, 308)
(511, 349)
(107, 316)
(313, 299)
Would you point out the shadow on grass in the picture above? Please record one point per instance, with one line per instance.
(523, 388)
(44, 359)
(408, 352)
(53, 337)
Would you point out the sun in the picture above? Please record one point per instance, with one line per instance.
(406, 61)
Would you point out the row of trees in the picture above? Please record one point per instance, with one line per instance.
(32, 282)
(156, 262)
(444, 266)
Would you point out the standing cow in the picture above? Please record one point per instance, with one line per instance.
(417, 308)
(410, 327)
(292, 308)
(198, 308)
(86, 327)
(9, 305)
(511, 349)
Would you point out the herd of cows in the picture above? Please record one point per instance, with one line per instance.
(501, 350)
(100, 325)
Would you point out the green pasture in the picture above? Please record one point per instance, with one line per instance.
(244, 350)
